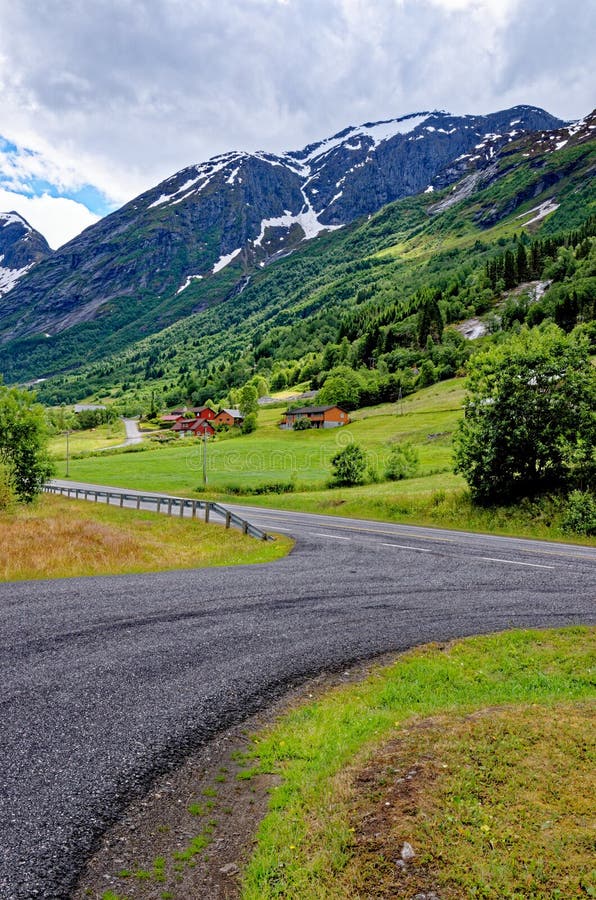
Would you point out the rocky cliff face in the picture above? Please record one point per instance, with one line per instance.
(247, 209)
(21, 247)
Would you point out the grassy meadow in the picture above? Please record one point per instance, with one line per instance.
(239, 465)
(109, 435)
(60, 538)
(427, 419)
(478, 755)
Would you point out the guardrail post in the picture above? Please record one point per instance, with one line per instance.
(159, 504)
(194, 509)
(170, 507)
(207, 511)
(139, 501)
(182, 508)
(121, 500)
(244, 526)
(228, 518)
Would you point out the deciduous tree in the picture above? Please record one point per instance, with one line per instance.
(529, 421)
(23, 442)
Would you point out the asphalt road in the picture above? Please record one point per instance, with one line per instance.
(108, 681)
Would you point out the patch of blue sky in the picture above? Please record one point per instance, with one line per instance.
(15, 175)
(7, 146)
(88, 195)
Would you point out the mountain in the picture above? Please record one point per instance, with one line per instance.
(135, 265)
(290, 318)
(354, 295)
(21, 247)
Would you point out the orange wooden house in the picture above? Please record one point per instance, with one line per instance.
(318, 416)
(229, 417)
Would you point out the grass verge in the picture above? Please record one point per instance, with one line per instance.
(60, 538)
(493, 819)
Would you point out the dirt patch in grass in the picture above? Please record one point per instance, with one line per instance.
(498, 804)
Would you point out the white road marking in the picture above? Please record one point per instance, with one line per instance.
(514, 562)
(405, 547)
(335, 537)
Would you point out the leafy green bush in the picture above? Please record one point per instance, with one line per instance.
(250, 424)
(302, 424)
(403, 462)
(529, 424)
(24, 442)
(7, 495)
(579, 515)
(349, 466)
(265, 487)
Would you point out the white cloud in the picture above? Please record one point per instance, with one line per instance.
(57, 218)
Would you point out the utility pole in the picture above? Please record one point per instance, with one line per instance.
(67, 453)
(204, 456)
(400, 403)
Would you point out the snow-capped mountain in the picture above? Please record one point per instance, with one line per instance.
(240, 210)
(21, 247)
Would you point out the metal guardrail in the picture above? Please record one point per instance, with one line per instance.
(165, 504)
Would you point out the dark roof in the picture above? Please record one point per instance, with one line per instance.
(307, 410)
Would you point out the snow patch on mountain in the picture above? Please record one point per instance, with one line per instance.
(188, 282)
(541, 211)
(225, 260)
(307, 219)
(9, 277)
(13, 218)
(351, 138)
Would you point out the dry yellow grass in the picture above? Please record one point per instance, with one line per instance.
(60, 538)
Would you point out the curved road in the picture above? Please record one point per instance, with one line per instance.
(107, 681)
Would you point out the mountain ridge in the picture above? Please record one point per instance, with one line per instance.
(254, 207)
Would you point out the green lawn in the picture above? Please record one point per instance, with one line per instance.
(427, 419)
(497, 811)
(109, 435)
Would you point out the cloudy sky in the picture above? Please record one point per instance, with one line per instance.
(102, 99)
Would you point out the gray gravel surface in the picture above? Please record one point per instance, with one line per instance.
(108, 681)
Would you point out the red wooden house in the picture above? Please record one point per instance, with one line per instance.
(196, 427)
(204, 412)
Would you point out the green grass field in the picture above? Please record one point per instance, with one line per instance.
(427, 419)
(237, 465)
(109, 435)
(497, 802)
